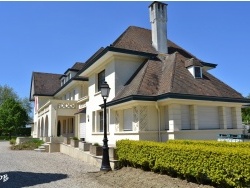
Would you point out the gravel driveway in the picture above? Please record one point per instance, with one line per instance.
(52, 170)
(36, 169)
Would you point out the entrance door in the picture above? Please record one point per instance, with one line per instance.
(83, 125)
(59, 128)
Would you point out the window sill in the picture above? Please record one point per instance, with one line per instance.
(127, 133)
(99, 133)
(97, 93)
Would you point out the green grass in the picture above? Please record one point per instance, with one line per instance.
(29, 145)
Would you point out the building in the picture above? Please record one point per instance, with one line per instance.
(159, 91)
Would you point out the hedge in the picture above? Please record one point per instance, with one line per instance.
(203, 161)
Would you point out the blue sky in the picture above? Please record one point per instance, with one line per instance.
(52, 36)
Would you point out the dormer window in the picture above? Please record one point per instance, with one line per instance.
(62, 82)
(195, 67)
(197, 72)
(68, 76)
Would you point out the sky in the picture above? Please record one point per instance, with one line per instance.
(51, 36)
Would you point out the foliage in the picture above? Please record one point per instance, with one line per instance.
(96, 144)
(24, 131)
(75, 138)
(7, 137)
(12, 141)
(12, 116)
(226, 165)
(6, 92)
(29, 145)
(246, 115)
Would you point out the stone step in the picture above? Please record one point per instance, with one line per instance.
(39, 150)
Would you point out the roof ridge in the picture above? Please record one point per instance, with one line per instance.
(145, 71)
(126, 30)
(173, 71)
(120, 37)
(45, 73)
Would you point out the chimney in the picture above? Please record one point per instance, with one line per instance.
(158, 20)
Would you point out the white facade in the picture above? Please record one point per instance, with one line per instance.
(80, 114)
(75, 109)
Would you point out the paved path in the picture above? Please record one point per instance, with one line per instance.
(35, 169)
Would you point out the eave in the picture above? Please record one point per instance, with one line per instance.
(111, 49)
(177, 96)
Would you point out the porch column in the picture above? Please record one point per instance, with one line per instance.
(237, 119)
(174, 114)
(38, 129)
(194, 117)
(222, 117)
(53, 121)
(96, 121)
(67, 126)
(77, 124)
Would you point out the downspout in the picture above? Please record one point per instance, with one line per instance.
(159, 121)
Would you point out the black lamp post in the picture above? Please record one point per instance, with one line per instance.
(105, 149)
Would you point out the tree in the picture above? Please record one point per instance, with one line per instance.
(12, 116)
(246, 115)
(245, 112)
(7, 92)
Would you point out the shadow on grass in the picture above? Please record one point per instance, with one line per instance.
(18, 179)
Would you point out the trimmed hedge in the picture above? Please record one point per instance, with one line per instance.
(223, 164)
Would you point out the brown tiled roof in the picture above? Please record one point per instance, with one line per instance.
(168, 74)
(140, 39)
(192, 62)
(78, 66)
(46, 83)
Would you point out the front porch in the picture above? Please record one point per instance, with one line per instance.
(56, 118)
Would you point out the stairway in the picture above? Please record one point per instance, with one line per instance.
(43, 148)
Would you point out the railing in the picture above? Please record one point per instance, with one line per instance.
(233, 137)
(66, 105)
(61, 104)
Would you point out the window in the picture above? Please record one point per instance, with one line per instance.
(62, 82)
(69, 96)
(101, 79)
(68, 76)
(197, 72)
(74, 93)
(127, 119)
(101, 121)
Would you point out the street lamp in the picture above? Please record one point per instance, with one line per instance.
(105, 149)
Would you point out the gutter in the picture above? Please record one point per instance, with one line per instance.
(159, 121)
(177, 96)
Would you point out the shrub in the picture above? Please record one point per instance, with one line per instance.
(75, 138)
(96, 144)
(12, 141)
(203, 161)
(29, 145)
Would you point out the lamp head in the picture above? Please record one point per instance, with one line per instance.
(105, 90)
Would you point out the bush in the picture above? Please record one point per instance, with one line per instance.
(29, 145)
(202, 161)
(75, 138)
(12, 141)
(96, 144)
